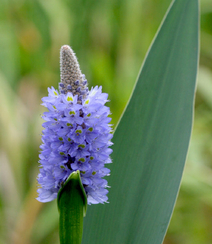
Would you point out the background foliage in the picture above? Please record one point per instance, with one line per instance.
(110, 39)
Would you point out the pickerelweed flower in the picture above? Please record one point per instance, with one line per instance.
(76, 134)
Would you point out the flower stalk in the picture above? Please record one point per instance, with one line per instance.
(76, 140)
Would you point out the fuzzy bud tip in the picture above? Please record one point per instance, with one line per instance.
(70, 73)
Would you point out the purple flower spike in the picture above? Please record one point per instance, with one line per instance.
(76, 136)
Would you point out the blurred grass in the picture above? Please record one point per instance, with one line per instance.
(110, 39)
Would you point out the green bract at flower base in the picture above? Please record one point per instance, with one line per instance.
(72, 206)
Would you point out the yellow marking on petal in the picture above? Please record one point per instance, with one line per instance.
(90, 129)
(91, 158)
(82, 160)
(60, 138)
(69, 99)
(54, 107)
(69, 139)
(88, 115)
(69, 124)
(78, 131)
(87, 101)
(83, 172)
(55, 93)
(62, 153)
(62, 167)
(82, 146)
(72, 113)
(93, 173)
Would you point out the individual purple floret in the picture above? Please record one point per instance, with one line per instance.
(76, 136)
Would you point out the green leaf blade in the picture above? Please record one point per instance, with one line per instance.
(151, 140)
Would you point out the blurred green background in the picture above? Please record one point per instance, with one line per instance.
(110, 39)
